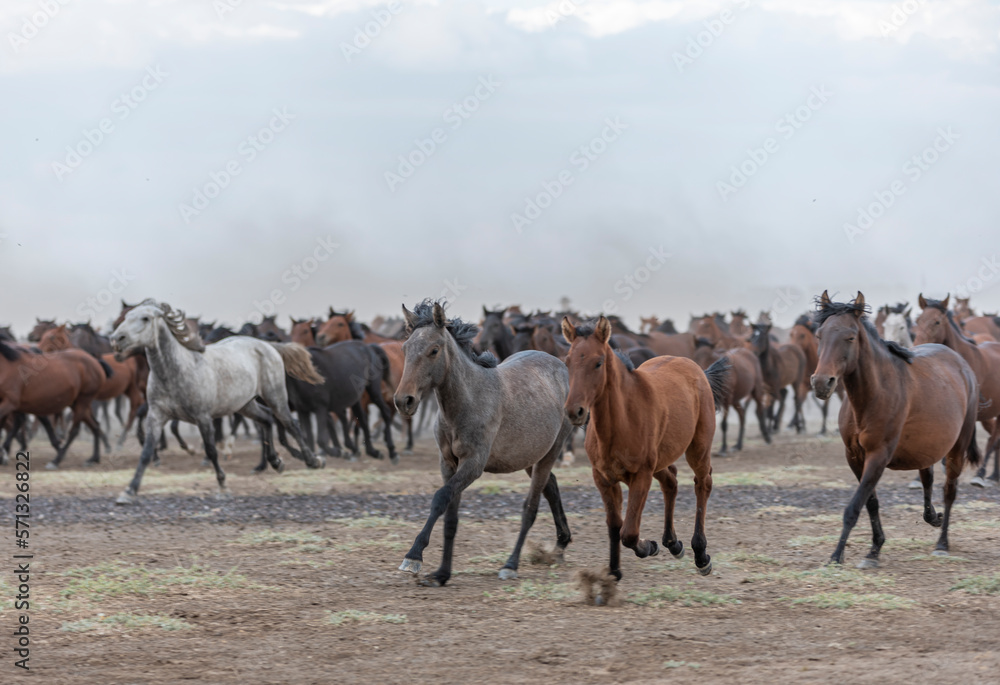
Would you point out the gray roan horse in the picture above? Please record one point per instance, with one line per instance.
(194, 383)
(498, 419)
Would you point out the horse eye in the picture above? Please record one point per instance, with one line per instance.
(598, 365)
(434, 352)
(145, 319)
(850, 340)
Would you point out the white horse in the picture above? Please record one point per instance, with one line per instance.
(192, 383)
(896, 330)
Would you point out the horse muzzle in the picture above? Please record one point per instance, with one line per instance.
(406, 404)
(823, 385)
(577, 414)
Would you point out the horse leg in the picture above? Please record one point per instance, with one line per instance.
(175, 429)
(61, 451)
(761, 418)
(611, 494)
(668, 484)
(257, 413)
(725, 427)
(207, 430)
(871, 471)
(742, 413)
(468, 471)
(154, 427)
(95, 427)
(563, 535)
(408, 420)
(993, 447)
(927, 483)
(387, 426)
(326, 433)
(955, 461)
(529, 511)
(283, 414)
(825, 409)
(700, 460)
(800, 417)
(362, 418)
(17, 423)
(776, 426)
(133, 409)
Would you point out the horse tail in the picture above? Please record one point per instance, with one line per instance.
(107, 368)
(720, 375)
(973, 455)
(298, 362)
(383, 360)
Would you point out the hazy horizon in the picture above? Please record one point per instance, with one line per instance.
(496, 153)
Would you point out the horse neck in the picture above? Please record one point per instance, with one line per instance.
(874, 367)
(968, 351)
(167, 357)
(458, 390)
(610, 410)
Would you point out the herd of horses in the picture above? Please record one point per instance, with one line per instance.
(510, 393)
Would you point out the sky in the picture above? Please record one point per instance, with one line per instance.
(235, 158)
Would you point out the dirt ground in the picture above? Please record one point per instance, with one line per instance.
(292, 579)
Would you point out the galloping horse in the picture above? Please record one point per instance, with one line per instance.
(936, 325)
(194, 383)
(494, 418)
(904, 409)
(803, 335)
(641, 421)
(783, 365)
(747, 384)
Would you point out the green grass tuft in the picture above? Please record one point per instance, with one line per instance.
(979, 585)
(115, 579)
(847, 600)
(125, 621)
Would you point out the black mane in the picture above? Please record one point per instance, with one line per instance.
(9, 353)
(462, 331)
(825, 310)
(586, 329)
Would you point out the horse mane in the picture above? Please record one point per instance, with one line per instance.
(615, 320)
(825, 310)
(626, 360)
(702, 342)
(177, 325)
(586, 329)
(939, 305)
(357, 330)
(9, 353)
(807, 321)
(462, 331)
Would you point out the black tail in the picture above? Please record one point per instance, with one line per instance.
(107, 369)
(719, 377)
(383, 360)
(973, 455)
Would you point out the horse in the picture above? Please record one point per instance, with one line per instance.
(937, 325)
(46, 384)
(747, 384)
(803, 335)
(709, 329)
(194, 383)
(982, 326)
(897, 330)
(303, 331)
(904, 409)
(494, 418)
(783, 366)
(41, 325)
(738, 326)
(496, 335)
(640, 422)
(675, 345)
(648, 323)
(7, 335)
(962, 310)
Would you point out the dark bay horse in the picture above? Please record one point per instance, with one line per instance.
(641, 421)
(783, 365)
(494, 419)
(904, 410)
(937, 325)
(803, 335)
(747, 385)
(496, 335)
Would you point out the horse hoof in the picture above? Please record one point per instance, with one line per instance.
(318, 463)
(867, 563)
(915, 484)
(410, 566)
(939, 553)
(376, 454)
(655, 548)
(408, 451)
(430, 581)
(979, 482)
(52, 466)
(223, 495)
(677, 555)
(91, 462)
(125, 498)
(279, 466)
(599, 601)
(507, 574)
(393, 458)
(706, 569)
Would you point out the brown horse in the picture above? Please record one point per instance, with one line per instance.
(747, 384)
(962, 310)
(783, 366)
(904, 409)
(936, 325)
(982, 326)
(304, 332)
(641, 421)
(45, 384)
(675, 345)
(803, 335)
(708, 328)
(739, 324)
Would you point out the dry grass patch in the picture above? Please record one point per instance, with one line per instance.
(849, 600)
(125, 622)
(356, 616)
(979, 585)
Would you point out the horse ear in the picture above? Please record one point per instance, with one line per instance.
(568, 330)
(944, 302)
(906, 314)
(410, 318)
(486, 312)
(331, 312)
(439, 318)
(294, 322)
(602, 331)
(824, 299)
(860, 302)
(921, 301)
(349, 316)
